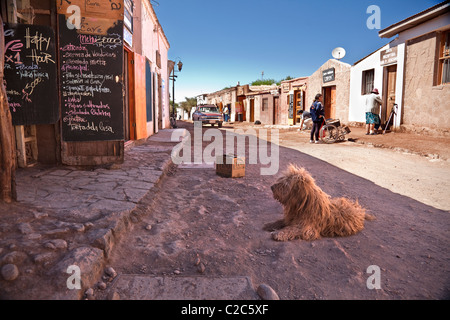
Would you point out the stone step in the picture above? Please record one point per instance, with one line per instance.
(148, 287)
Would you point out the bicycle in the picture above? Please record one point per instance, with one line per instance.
(332, 131)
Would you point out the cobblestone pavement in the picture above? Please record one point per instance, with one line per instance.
(69, 215)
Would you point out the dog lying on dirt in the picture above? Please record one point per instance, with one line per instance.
(309, 213)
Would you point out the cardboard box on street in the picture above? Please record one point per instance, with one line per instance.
(230, 166)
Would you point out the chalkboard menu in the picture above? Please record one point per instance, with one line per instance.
(30, 74)
(91, 67)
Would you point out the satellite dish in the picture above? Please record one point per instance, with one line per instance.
(338, 53)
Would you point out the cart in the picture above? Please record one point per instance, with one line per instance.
(332, 131)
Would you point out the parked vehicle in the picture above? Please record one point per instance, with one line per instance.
(208, 114)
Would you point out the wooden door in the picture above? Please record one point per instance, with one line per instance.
(276, 110)
(252, 110)
(389, 92)
(150, 112)
(244, 111)
(329, 102)
(298, 105)
(333, 102)
(126, 96)
(160, 102)
(140, 92)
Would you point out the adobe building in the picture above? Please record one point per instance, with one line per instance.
(241, 107)
(292, 100)
(148, 70)
(113, 78)
(262, 104)
(421, 70)
(332, 80)
(366, 75)
(225, 97)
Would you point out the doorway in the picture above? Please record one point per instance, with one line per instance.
(252, 110)
(329, 101)
(298, 105)
(160, 103)
(126, 94)
(390, 80)
(276, 110)
(242, 105)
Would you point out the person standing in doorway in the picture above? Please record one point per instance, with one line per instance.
(373, 106)
(225, 113)
(317, 112)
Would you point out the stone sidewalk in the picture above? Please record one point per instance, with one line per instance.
(74, 216)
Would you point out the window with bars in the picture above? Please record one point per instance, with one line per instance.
(368, 77)
(444, 58)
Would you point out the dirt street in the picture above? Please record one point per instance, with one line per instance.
(201, 224)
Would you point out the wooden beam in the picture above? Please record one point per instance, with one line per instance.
(7, 148)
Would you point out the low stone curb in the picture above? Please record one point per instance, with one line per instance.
(92, 259)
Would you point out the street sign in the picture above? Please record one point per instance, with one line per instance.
(328, 75)
(388, 56)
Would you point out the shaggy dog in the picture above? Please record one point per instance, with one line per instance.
(309, 213)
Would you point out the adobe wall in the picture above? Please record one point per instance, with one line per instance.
(266, 115)
(287, 88)
(425, 105)
(342, 83)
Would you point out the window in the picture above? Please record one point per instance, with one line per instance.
(265, 104)
(128, 14)
(444, 59)
(368, 77)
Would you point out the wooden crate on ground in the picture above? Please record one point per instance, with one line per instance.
(230, 166)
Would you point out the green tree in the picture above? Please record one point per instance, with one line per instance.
(287, 78)
(268, 82)
(265, 82)
(188, 104)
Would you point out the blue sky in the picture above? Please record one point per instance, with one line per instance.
(223, 42)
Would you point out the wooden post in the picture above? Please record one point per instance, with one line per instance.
(7, 143)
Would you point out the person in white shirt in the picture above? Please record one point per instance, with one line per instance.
(225, 113)
(373, 106)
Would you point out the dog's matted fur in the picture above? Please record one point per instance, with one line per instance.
(309, 213)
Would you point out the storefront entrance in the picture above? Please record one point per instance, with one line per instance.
(390, 77)
(329, 101)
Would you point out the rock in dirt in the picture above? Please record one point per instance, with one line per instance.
(56, 244)
(25, 228)
(10, 272)
(267, 293)
(89, 292)
(201, 267)
(14, 257)
(111, 272)
(101, 285)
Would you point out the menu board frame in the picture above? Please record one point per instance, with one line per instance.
(91, 71)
